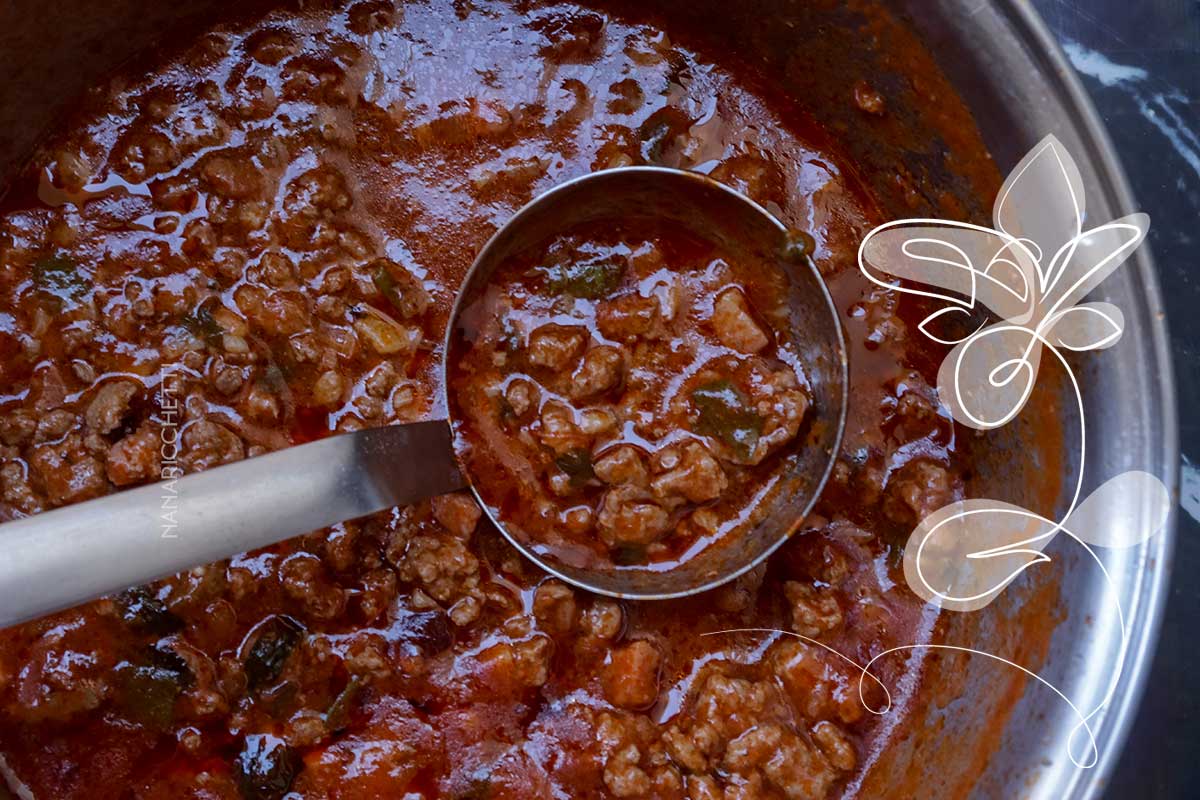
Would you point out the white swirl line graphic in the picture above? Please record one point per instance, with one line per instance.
(963, 555)
(864, 671)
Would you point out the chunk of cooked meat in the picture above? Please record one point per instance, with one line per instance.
(630, 317)
(688, 471)
(555, 347)
(622, 464)
(68, 471)
(522, 396)
(630, 516)
(600, 371)
(110, 405)
(735, 325)
(209, 444)
(630, 677)
(135, 458)
(559, 431)
(554, 606)
(815, 609)
(917, 490)
(457, 512)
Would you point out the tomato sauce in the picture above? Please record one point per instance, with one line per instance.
(271, 226)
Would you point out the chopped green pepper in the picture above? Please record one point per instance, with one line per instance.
(273, 378)
(60, 277)
(589, 278)
(147, 691)
(281, 700)
(276, 640)
(148, 694)
(337, 717)
(145, 613)
(577, 464)
(797, 246)
(265, 768)
(726, 414)
(479, 788)
(505, 410)
(628, 554)
(203, 326)
(386, 285)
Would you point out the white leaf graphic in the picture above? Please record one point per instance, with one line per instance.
(986, 380)
(971, 263)
(1123, 511)
(1033, 272)
(962, 556)
(1042, 202)
(1087, 326)
(1080, 266)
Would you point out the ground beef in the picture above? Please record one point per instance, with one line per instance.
(631, 676)
(136, 458)
(207, 443)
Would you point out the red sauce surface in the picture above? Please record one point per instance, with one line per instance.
(619, 397)
(217, 230)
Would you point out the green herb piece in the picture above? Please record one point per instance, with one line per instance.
(577, 463)
(61, 278)
(626, 555)
(406, 294)
(505, 410)
(147, 691)
(203, 326)
(265, 768)
(725, 413)
(276, 640)
(338, 715)
(145, 613)
(480, 789)
(386, 285)
(148, 694)
(590, 278)
(273, 378)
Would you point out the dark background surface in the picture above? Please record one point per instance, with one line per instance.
(1140, 60)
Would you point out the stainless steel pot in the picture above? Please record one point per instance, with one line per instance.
(1019, 87)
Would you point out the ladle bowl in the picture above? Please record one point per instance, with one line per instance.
(736, 224)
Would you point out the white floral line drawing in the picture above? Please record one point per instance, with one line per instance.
(1031, 271)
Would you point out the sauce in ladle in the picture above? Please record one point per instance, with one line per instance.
(629, 392)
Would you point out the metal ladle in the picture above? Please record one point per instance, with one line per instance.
(69, 555)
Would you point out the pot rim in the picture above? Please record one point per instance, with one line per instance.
(1145, 627)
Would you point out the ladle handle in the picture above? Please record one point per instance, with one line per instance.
(63, 557)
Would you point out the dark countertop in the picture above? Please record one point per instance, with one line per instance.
(1141, 62)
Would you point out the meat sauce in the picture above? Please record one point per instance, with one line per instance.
(622, 400)
(257, 243)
